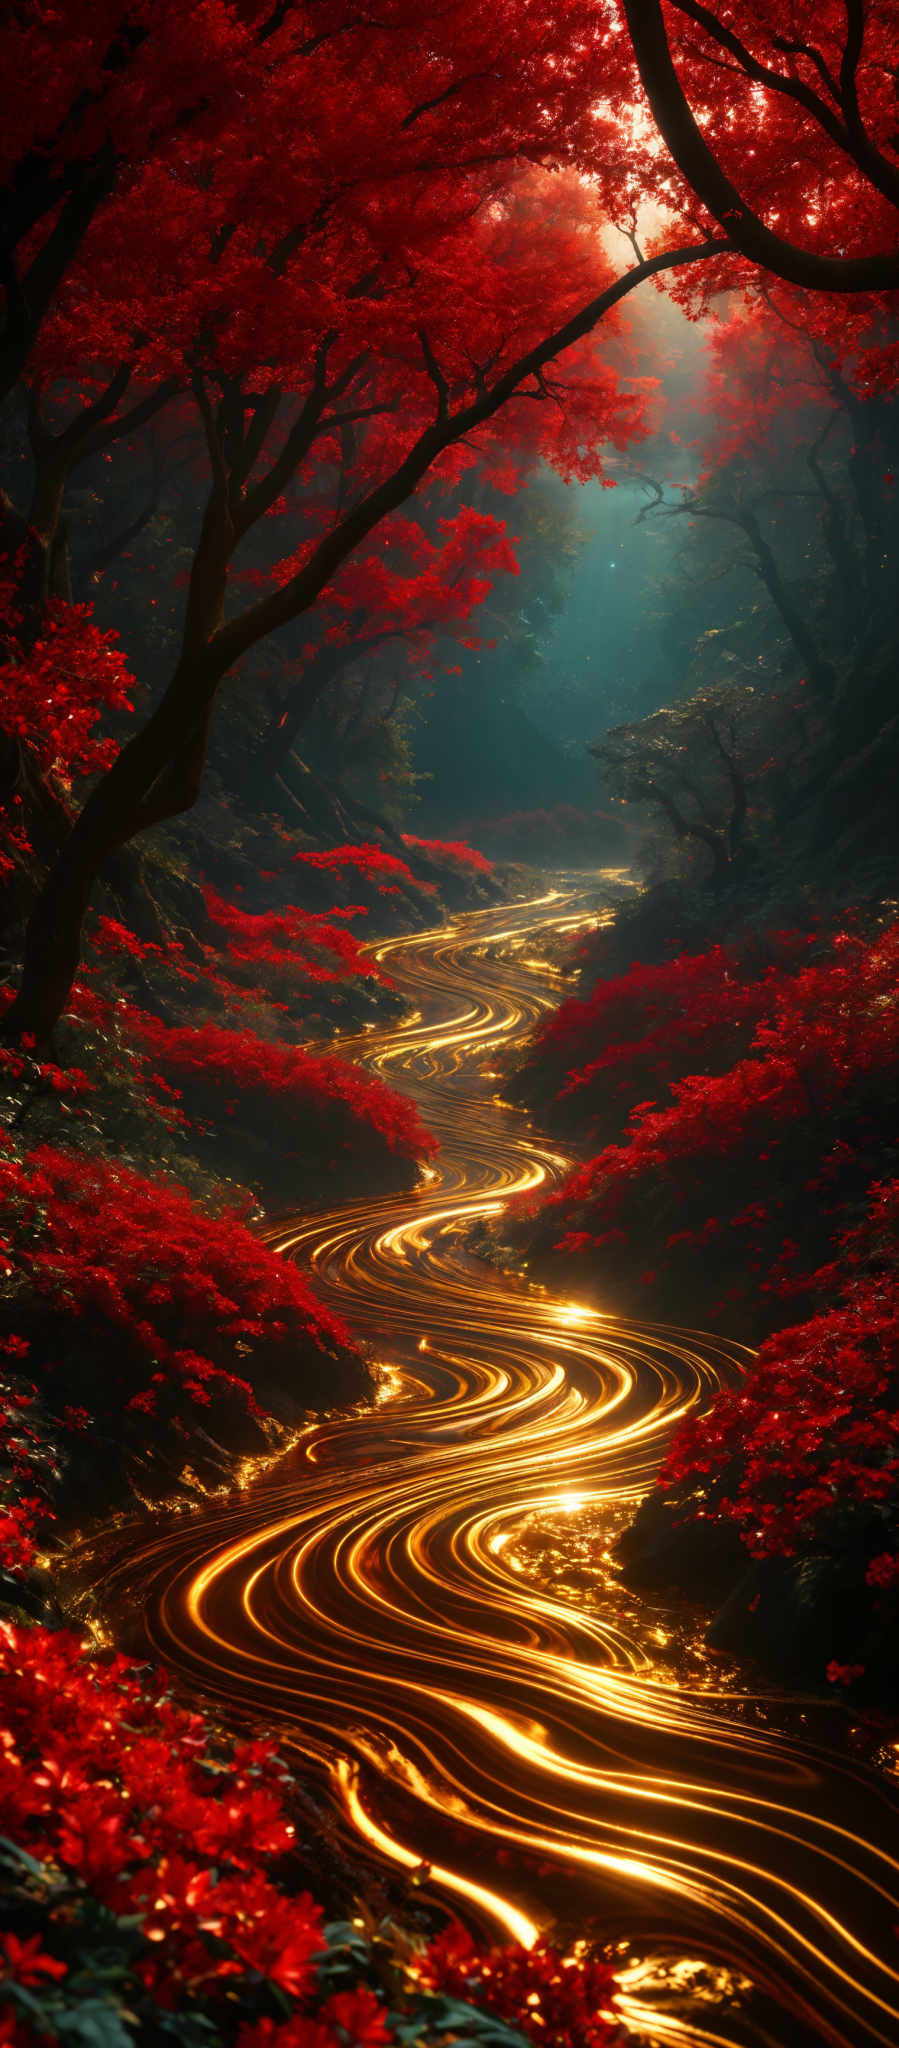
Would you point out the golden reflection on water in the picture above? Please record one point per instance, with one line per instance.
(424, 1599)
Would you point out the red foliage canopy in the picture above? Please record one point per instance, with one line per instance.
(783, 131)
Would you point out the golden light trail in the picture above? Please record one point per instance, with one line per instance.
(516, 1925)
(423, 1597)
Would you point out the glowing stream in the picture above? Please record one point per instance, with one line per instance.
(379, 1598)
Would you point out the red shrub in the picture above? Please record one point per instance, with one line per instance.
(306, 1104)
(158, 1889)
(18, 1067)
(137, 1301)
(548, 1998)
(368, 860)
(734, 1153)
(105, 1779)
(453, 850)
(805, 1449)
(294, 940)
(647, 1028)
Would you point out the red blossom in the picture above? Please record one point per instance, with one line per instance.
(883, 1571)
(24, 1962)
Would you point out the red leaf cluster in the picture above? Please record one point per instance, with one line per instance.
(53, 693)
(293, 940)
(141, 1809)
(369, 860)
(22, 1505)
(103, 1777)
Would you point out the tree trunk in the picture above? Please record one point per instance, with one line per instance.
(253, 780)
(866, 465)
(737, 780)
(838, 541)
(688, 828)
(821, 674)
(284, 731)
(155, 776)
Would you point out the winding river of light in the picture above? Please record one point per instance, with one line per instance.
(402, 1596)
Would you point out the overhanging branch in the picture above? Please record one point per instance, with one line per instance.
(679, 129)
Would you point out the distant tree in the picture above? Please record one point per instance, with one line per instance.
(731, 501)
(691, 763)
(783, 408)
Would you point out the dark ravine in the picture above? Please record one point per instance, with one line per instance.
(789, 1615)
(423, 1599)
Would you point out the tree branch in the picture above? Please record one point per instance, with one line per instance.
(679, 129)
(791, 48)
(440, 98)
(437, 377)
(298, 442)
(214, 443)
(762, 74)
(277, 607)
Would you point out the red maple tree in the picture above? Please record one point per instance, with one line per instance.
(339, 331)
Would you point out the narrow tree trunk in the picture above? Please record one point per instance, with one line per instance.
(737, 780)
(282, 734)
(45, 510)
(688, 828)
(820, 672)
(865, 469)
(838, 541)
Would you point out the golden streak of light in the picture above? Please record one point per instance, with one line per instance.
(517, 1925)
(422, 1597)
